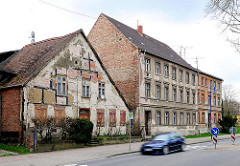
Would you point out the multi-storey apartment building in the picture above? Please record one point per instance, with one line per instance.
(209, 101)
(159, 86)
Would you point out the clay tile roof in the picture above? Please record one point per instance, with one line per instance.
(149, 44)
(33, 57)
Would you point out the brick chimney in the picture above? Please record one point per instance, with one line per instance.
(140, 29)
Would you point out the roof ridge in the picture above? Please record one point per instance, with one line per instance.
(51, 39)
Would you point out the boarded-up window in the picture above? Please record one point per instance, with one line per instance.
(59, 114)
(122, 118)
(100, 117)
(41, 112)
(84, 114)
(112, 118)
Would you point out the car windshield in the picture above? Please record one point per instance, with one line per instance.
(162, 137)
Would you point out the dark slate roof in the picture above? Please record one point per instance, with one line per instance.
(32, 58)
(149, 44)
(210, 75)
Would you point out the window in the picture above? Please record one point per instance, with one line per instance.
(166, 73)
(174, 94)
(202, 81)
(206, 82)
(41, 112)
(112, 118)
(219, 116)
(203, 117)
(59, 115)
(61, 85)
(187, 78)
(210, 83)
(100, 117)
(166, 118)
(157, 68)
(147, 90)
(174, 118)
(193, 97)
(181, 118)
(193, 79)
(165, 93)
(219, 101)
(101, 90)
(188, 97)
(194, 118)
(215, 118)
(158, 117)
(180, 75)
(214, 100)
(181, 95)
(158, 91)
(173, 73)
(219, 86)
(147, 65)
(122, 118)
(203, 99)
(208, 99)
(188, 118)
(86, 88)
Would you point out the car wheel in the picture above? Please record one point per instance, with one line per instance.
(183, 146)
(143, 153)
(165, 150)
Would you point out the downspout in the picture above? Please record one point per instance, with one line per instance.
(22, 117)
(0, 117)
(139, 82)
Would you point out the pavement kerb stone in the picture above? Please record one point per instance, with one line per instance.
(193, 141)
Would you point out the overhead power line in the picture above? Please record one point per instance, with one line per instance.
(67, 10)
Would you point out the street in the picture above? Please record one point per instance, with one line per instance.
(195, 154)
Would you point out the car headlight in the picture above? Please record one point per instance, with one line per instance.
(159, 146)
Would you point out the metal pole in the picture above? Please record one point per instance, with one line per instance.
(211, 108)
(130, 135)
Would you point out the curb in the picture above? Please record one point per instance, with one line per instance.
(135, 151)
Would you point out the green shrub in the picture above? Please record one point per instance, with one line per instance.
(81, 130)
(227, 122)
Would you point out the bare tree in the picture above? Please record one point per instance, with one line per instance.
(228, 13)
(231, 106)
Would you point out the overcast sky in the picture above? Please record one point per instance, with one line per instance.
(178, 23)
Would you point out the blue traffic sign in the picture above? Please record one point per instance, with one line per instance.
(215, 131)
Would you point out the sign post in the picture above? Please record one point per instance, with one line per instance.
(214, 132)
(130, 117)
(233, 131)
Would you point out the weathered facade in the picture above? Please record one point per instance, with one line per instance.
(210, 91)
(59, 77)
(159, 86)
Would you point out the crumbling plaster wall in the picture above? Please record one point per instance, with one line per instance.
(78, 63)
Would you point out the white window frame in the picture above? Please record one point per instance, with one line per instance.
(166, 93)
(101, 90)
(187, 77)
(166, 71)
(147, 90)
(180, 75)
(174, 94)
(158, 117)
(188, 118)
(147, 65)
(86, 88)
(166, 118)
(158, 92)
(181, 118)
(157, 68)
(62, 85)
(174, 118)
(174, 74)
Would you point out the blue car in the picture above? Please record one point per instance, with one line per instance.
(164, 144)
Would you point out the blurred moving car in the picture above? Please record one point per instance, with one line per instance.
(164, 144)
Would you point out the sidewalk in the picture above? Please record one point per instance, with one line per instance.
(82, 154)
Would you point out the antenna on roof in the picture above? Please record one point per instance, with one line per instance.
(32, 37)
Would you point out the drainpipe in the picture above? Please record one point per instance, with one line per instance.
(139, 82)
(0, 117)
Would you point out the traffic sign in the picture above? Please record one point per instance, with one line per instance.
(130, 115)
(214, 139)
(214, 131)
(233, 130)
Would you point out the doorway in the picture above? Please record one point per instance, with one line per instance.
(148, 122)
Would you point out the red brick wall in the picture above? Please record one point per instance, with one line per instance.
(119, 56)
(11, 104)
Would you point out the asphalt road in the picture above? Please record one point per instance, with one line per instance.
(202, 154)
